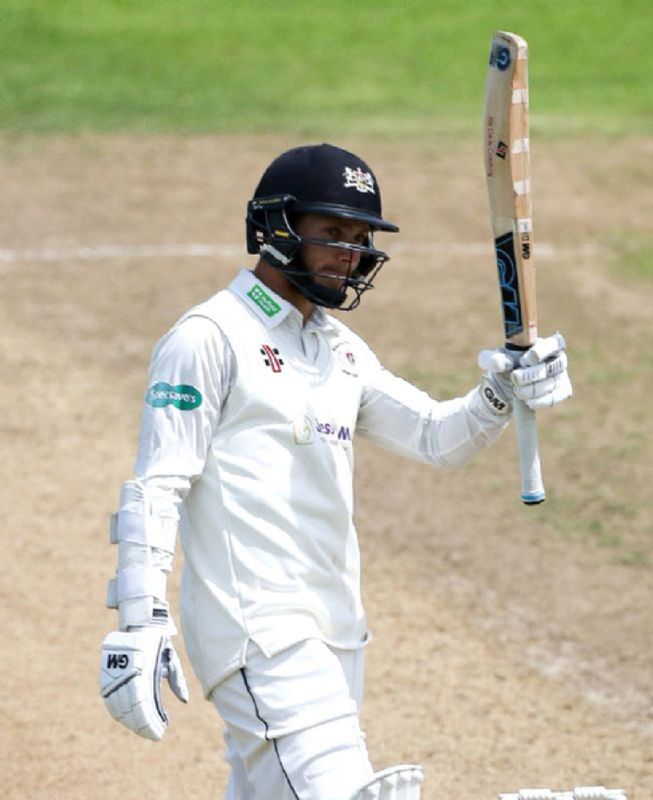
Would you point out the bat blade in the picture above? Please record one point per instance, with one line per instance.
(507, 169)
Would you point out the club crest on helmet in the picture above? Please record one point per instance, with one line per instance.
(356, 178)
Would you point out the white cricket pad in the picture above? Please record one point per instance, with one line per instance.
(579, 793)
(395, 783)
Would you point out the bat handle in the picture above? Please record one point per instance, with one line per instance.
(532, 488)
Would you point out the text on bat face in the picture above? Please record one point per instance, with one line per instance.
(489, 128)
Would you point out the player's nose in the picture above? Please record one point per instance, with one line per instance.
(349, 257)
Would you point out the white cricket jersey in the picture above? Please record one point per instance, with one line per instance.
(249, 422)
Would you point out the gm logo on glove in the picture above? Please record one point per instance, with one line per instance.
(117, 660)
(496, 402)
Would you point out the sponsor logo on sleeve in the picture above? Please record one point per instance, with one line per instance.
(181, 396)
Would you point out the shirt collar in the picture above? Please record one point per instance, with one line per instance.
(264, 303)
(270, 307)
(320, 320)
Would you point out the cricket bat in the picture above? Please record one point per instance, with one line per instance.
(507, 167)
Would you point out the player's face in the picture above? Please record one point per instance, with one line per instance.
(331, 264)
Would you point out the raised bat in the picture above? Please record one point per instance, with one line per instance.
(507, 167)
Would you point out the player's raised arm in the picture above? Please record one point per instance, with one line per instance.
(406, 420)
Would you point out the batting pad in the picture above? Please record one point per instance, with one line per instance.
(395, 783)
(579, 793)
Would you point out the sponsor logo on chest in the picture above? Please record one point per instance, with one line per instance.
(306, 430)
(333, 430)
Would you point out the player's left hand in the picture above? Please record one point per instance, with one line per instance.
(538, 376)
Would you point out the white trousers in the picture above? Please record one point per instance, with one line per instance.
(292, 727)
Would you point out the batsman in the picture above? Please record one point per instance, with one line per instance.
(254, 401)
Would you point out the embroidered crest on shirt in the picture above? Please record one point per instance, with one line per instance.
(346, 358)
(303, 431)
(357, 179)
(271, 357)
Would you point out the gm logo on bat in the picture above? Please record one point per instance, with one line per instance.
(500, 57)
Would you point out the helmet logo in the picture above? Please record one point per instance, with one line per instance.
(357, 179)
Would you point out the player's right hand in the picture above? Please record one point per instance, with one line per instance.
(132, 667)
(538, 376)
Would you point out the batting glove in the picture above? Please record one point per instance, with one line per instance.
(539, 376)
(132, 668)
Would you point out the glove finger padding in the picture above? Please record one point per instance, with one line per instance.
(132, 666)
(545, 393)
(544, 384)
(547, 369)
(495, 360)
(544, 349)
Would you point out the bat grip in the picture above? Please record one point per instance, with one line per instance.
(532, 488)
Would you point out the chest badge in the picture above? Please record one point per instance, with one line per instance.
(271, 357)
(346, 358)
(303, 432)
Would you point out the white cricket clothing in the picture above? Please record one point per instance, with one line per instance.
(292, 727)
(249, 420)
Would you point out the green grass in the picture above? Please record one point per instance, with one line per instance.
(343, 66)
(632, 255)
